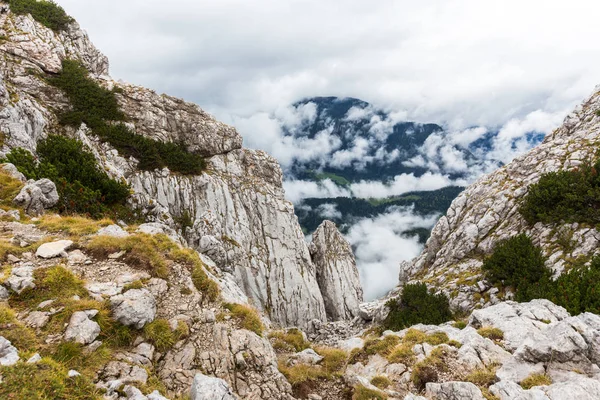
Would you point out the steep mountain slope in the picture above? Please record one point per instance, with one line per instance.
(237, 211)
(488, 211)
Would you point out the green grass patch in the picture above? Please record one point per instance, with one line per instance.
(381, 382)
(46, 379)
(491, 333)
(362, 393)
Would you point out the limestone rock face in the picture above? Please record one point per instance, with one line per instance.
(207, 388)
(244, 224)
(240, 218)
(37, 196)
(454, 391)
(487, 212)
(337, 274)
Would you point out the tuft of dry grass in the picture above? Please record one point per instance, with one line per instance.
(72, 225)
(291, 340)
(247, 317)
(362, 393)
(491, 333)
(381, 382)
(535, 380)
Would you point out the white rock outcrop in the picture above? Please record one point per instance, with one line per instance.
(54, 249)
(36, 197)
(337, 274)
(82, 329)
(9, 355)
(208, 388)
(136, 307)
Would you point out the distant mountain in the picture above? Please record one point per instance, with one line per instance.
(372, 145)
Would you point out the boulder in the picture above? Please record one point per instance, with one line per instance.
(12, 171)
(114, 231)
(37, 196)
(81, 328)
(208, 388)
(508, 390)
(21, 278)
(307, 356)
(136, 307)
(453, 391)
(9, 355)
(4, 294)
(54, 249)
(37, 319)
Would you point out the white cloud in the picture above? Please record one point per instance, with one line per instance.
(296, 190)
(380, 247)
(329, 211)
(466, 62)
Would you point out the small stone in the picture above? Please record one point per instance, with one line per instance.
(12, 259)
(9, 355)
(76, 257)
(95, 345)
(4, 294)
(72, 373)
(53, 249)
(45, 304)
(37, 196)
(37, 319)
(113, 230)
(136, 308)
(208, 388)
(117, 255)
(156, 396)
(35, 358)
(81, 329)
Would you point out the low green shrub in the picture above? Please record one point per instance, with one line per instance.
(47, 13)
(83, 188)
(517, 263)
(417, 305)
(565, 196)
(99, 109)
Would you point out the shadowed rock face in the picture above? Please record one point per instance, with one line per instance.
(337, 274)
(239, 214)
(487, 212)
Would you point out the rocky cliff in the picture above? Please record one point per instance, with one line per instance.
(239, 216)
(336, 272)
(487, 212)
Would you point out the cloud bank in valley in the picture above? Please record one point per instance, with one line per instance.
(379, 247)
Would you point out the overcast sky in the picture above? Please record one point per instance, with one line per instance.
(460, 63)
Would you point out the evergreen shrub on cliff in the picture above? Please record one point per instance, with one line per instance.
(565, 196)
(83, 188)
(417, 305)
(47, 13)
(516, 263)
(519, 264)
(98, 108)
